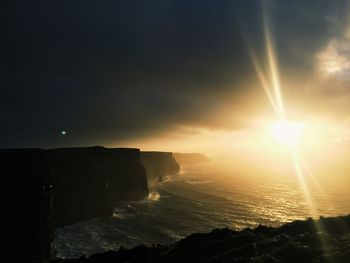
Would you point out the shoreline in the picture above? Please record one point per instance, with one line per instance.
(321, 240)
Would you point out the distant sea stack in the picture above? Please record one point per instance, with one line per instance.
(89, 181)
(159, 164)
(190, 158)
(27, 197)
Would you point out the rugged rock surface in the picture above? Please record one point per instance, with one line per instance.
(88, 181)
(126, 176)
(190, 158)
(159, 164)
(80, 191)
(27, 192)
(324, 240)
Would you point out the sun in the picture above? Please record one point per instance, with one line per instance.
(287, 132)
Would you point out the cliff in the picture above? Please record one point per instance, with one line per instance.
(159, 164)
(89, 181)
(190, 158)
(125, 174)
(27, 195)
(323, 240)
(52, 188)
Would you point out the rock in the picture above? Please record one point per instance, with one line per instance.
(27, 205)
(159, 164)
(260, 245)
(296, 227)
(126, 176)
(80, 189)
(90, 181)
(295, 252)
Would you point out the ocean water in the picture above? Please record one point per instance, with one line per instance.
(198, 200)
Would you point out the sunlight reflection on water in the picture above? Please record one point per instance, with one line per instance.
(197, 202)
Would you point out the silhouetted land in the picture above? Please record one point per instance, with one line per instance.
(159, 164)
(323, 240)
(63, 186)
(57, 187)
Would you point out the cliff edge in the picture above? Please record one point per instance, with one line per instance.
(27, 197)
(159, 164)
(53, 188)
(89, 181)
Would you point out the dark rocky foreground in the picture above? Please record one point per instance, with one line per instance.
(323, 240)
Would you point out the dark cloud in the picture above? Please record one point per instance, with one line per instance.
(115, 70)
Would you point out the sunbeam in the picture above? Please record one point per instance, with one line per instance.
(273, 69)
(285, 132)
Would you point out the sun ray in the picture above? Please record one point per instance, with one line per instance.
(264, 81)
(269, 76)
(310, 174)
(286, 132)
(273, 68)
(301, 177)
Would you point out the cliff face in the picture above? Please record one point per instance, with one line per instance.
(88, 181)
(159, 164)
(80, 191)
(65, 185)
(26, 209)
(190, 158)
(125, 175)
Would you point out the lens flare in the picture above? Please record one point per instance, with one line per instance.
(287, 132)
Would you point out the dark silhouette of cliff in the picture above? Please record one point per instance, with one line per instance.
(159, 164)
(125, 174)
(76, 181)
(190, 158)
(323, 240)
(89, 181)
(53, 188)
(27, 195)
(80, 191)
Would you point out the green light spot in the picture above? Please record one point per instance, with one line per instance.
(63, 132)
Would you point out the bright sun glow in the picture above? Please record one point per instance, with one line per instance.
(287, 132)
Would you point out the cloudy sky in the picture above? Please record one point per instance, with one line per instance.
(125, 72)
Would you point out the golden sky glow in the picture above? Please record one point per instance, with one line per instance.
(287, 132)
(288, 125)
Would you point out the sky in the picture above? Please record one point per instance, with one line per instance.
(161, 74)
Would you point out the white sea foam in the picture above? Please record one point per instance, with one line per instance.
(154, 196)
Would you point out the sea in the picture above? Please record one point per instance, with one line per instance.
(200, 199)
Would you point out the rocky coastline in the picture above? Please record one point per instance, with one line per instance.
(63, 186)
(322, 240)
